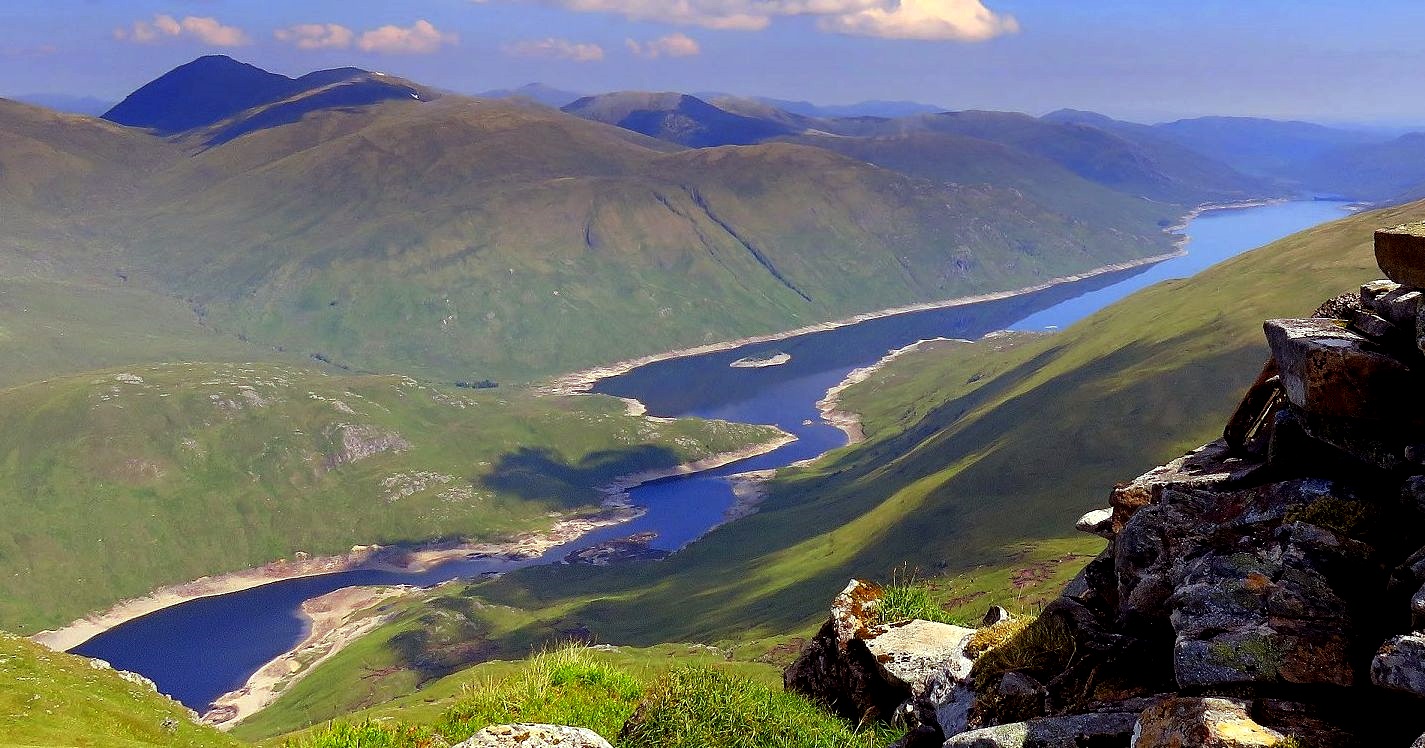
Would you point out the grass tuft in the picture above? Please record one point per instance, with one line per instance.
(1042, 647)
(697, 707)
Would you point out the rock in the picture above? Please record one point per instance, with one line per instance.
(1098, 522)
(995, 614)
(1107, 730)
(1330, 371)
(1400, 664)
(1201, 723)
(636, 547)
(1419, 742)
(1248, 430)
(1400, 252)
(1376, 327)
(1401, 307)
(1374, 290)
(1209, 465)
(535, 736)
(915, 671)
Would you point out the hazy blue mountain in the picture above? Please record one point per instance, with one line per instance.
(538, 92)
(87, 105)
(678, 118)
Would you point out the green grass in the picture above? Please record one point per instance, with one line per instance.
(116, 482)
(675, 699)
(52, 699)
(905, 600)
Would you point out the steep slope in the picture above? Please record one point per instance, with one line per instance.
(52, 699)
(677, 118)
(977, 454)
(115, 482)
(439, 237)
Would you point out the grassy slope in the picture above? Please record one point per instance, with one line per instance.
(51, 699)
(979, 459)
(112, 487)
(440, 238)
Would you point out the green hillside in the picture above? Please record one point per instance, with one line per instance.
(116, 482)
(52, 699)
(979, 457)
(440, 237)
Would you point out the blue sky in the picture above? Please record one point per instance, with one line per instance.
(1139, 59)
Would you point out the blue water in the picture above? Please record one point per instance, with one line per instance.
(202, 649)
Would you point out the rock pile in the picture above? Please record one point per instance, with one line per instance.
(1267, 589)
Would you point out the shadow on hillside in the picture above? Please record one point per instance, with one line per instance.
(541, 474)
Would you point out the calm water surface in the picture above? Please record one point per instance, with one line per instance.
(202, 649)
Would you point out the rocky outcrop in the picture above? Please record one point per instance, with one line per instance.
(1267, 589)
(1259, 589)
(912, 672)
(535, 736)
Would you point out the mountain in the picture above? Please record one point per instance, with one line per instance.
(887, 109)
(1391, 172)
(1156, 169)
(215, 88)
(436, 235)
(1261, 146)
(677, 118)
(536, 92)
(87, 105)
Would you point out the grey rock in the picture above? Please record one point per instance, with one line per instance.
(1106, 730)
(1400, 307)
(1400, 664)
(1098, 522)
(1376, 327)
(1400, 252)
(1374, 290)
(535, 736)
(1330, 371)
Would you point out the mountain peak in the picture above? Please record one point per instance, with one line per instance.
(198, 93)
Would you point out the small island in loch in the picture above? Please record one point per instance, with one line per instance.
(776, 358)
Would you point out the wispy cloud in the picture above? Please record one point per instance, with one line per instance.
(672, 45)
(420, 38)
(943, 20)
(316, 36)
(555, 49)
(163, 27)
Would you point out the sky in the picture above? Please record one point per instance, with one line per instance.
(1146, 60)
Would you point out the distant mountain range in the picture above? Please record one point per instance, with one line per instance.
(381, 225)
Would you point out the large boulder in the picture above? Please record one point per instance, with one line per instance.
(1328, 370)
(1400, 252)
(535, 736)
(1201, 723)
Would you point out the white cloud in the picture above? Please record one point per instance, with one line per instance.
(556, 49)
(672, 45)
(316, 36)
(205, 29)
(958, 20)
(421, 37)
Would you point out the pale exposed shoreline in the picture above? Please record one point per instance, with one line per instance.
(581, 382)
(332, 624)
(617, 510)
(830, 406)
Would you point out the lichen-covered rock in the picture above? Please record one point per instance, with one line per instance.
(1201, 723)
(1327, 370)
(535, 736)
(1107, 730)
(1400, 664)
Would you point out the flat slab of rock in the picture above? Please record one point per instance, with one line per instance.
(535, 736)
(1330, 371)
(910, 652)
(1201, 723)
(1098, 730)
(1400, 252)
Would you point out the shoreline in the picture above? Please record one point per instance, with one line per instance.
(829, 406)
(332, 624)
(616, 510)
(582, 382)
